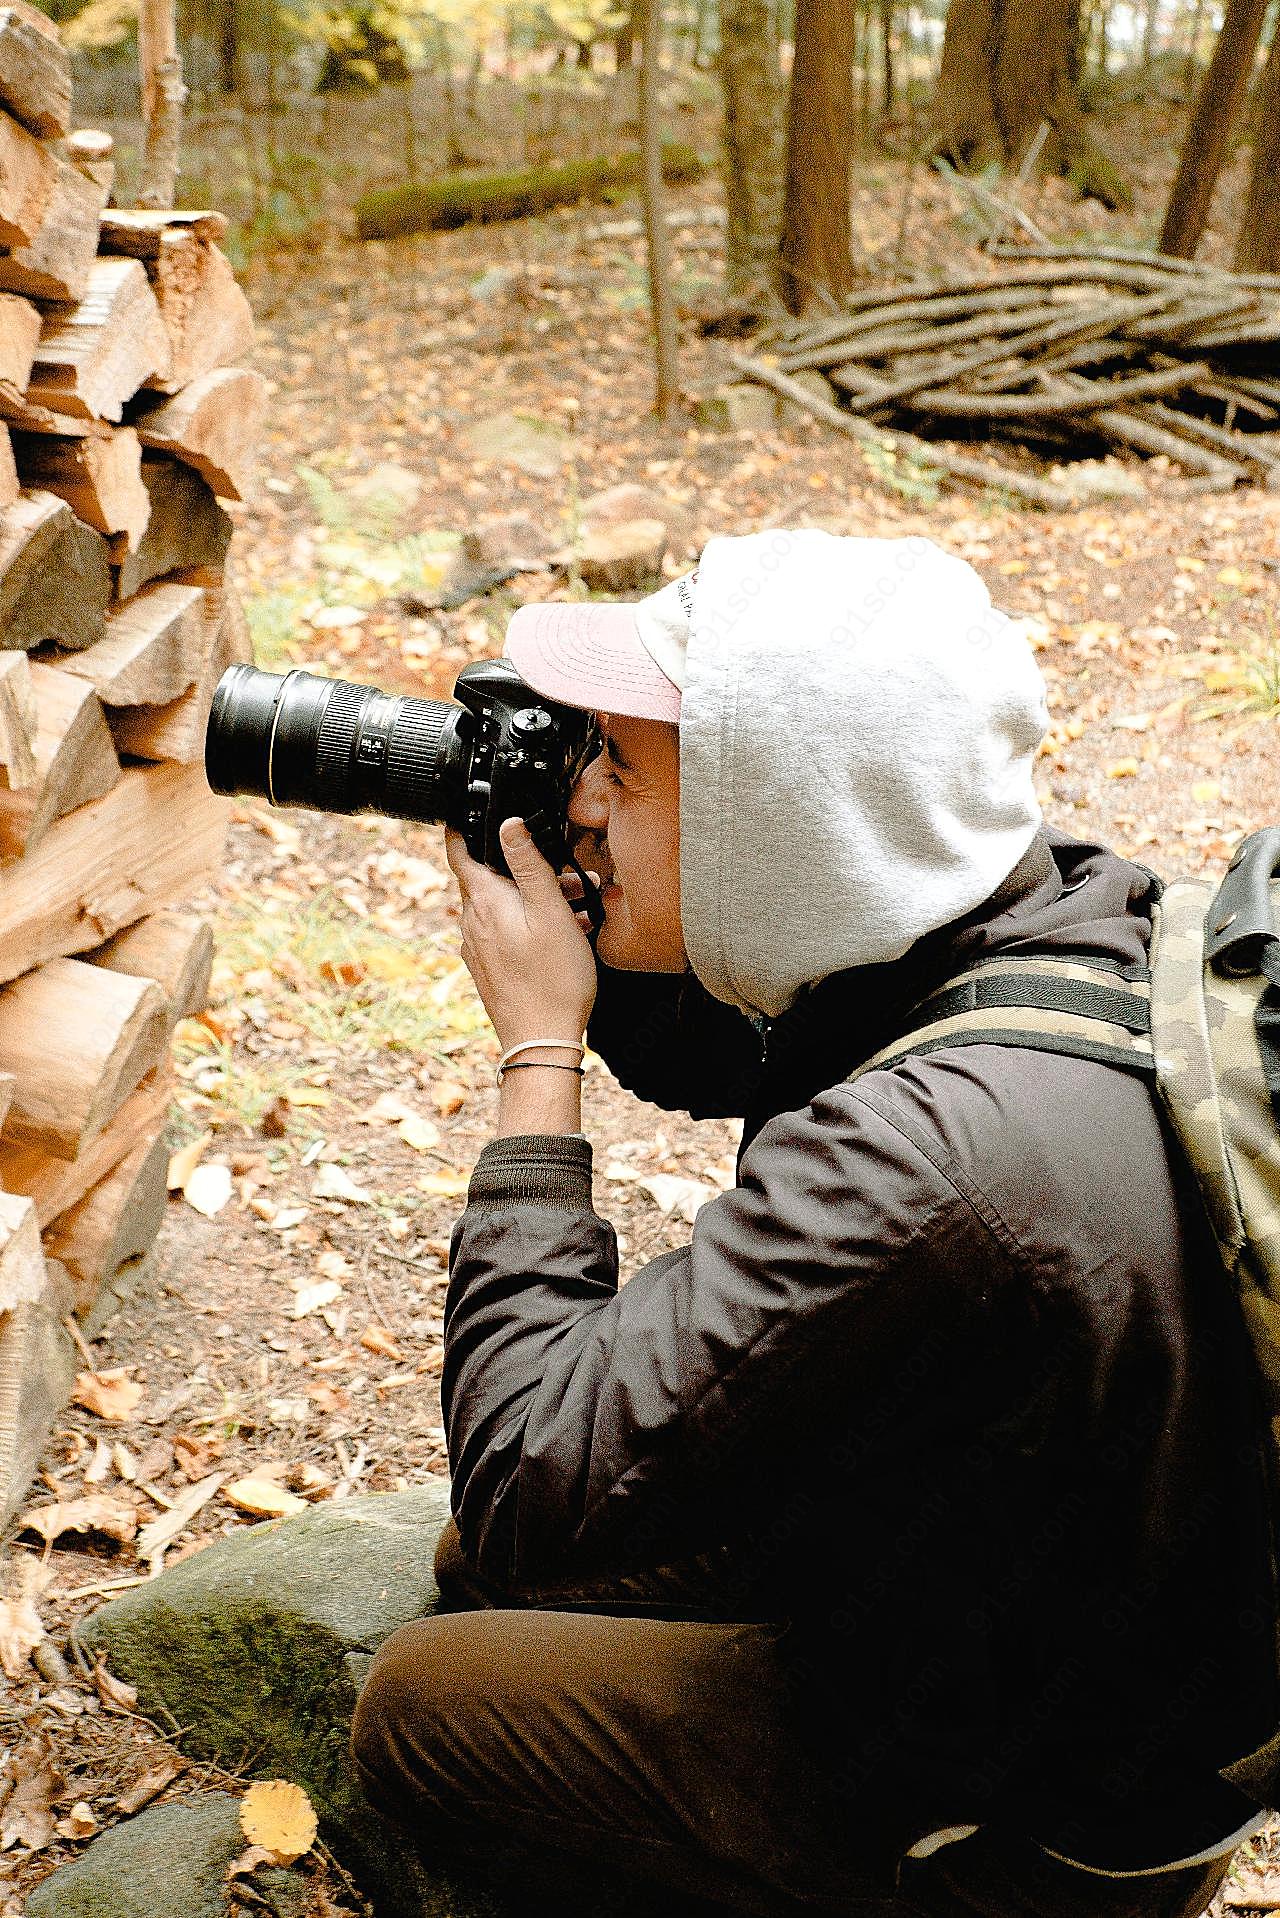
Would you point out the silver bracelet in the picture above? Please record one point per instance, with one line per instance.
(535, 1065)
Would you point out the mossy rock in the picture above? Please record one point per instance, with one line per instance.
(459, 199)
(169, 1862)
(259, 1645)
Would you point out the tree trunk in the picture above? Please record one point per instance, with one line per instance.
(661, 303)
(1216, 113)
(752, 86)
(816, 252)
(1258, 245)
(163, 97)
(229, 46)
(1008, 65)
(888, 87)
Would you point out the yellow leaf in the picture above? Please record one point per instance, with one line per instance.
(418, 1132)
(184, 1162)
(1206, 791)
(278, 1816)
(1232, 576)
(444, 1185)
(390, 964)
(448, 1097)
(1185, 564)
(1132, 722)
(110, 1394)
(1122, 769)
(307, 1096)
(264, 1499)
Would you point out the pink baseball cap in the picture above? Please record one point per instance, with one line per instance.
(607, 656)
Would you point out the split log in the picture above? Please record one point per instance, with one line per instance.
(100, 479)
(54, 1185)
(153, 649)
(981, 473)
(94, 356)
(139, 232)
(153, 838)
(55, 582)
(37, 1358)
(118, 1220)
(55, 264)
(187, 527)
(28, 178)
(19, 336)
(176, 732)
(10, 486)
(93, 152)
(205, 311)
(173, 948)
(215, 425)
(35, 70)
(77, 1039)
(75, 760)
(18, 722)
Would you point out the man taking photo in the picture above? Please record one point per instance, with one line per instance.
(899, 1545)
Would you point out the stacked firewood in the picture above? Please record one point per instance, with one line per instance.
(125, 422)
(1068, 352)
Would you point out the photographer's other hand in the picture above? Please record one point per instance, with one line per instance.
(522, 943)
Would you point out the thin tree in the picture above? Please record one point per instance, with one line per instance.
(751, 80)
(163, 98)
(648, 17)
(1213, 119)
(1258, 244)
(816, 250)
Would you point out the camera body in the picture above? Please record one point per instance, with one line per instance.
(296, 739)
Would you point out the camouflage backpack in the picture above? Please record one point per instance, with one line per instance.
(1204, 1024)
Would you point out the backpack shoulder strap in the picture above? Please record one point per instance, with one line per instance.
(1087, 1008)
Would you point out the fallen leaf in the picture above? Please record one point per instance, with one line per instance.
(78, 1823)
(1206, 792)
(375, 1339)
(263, 1499)
(332, 1265)
(274, 1123)
(99, 1465)
(444, 1185)
(676, 1194)
(419, 1132)
(114, 1693)
(97, 1513)
(336, 618)
(307, 1095)
(278, 1816)
(287, 1217)
(184, 1162)
(310, 1298)
(387, 1109)
(1132, 722)
(621, 1173)
(331, 1182)
(208, 1188)
(1122, 769)
(113, 1396)
(248, 1862)
(125, 1463)
(448, 1097)
(148, 1785)
(27, 1817)
(162, 1531)
(20, 1633)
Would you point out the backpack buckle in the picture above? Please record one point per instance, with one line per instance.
(1240, 922)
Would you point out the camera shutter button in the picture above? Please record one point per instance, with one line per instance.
(530, 721)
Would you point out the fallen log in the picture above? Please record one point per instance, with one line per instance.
(55, 582)
(980, 473)
(463, 199)
(77, 1040)
(75, 760)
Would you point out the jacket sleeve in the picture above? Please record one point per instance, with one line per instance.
(667, 1040)
(595, 1429)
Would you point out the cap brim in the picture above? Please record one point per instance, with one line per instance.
(590, 655)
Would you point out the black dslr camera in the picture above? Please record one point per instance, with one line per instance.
(299, 740)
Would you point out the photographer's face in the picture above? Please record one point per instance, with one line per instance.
(626, 807)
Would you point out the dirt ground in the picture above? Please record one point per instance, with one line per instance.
(342, 1075)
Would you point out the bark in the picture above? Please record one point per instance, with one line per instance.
(1007, 66)
(752, 84)
(657, 241)
(1258, 244)
(816, 250)
(163, 98)
(229, 46)
(1215, 115)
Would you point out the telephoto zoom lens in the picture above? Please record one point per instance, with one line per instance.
(299, 740)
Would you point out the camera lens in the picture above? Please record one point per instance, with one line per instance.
(299, 740)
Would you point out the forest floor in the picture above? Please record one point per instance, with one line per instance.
(343, 1072)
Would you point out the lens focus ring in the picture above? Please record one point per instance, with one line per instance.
(339, 730)
(413, 758)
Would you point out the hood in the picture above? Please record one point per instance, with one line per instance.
(858, 726)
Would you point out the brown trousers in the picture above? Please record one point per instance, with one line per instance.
(588, 1741)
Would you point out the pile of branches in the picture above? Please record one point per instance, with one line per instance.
(1067, 353)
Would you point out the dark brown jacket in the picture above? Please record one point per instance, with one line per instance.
(951, 1381)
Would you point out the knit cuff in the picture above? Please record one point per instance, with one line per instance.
(541, 1168)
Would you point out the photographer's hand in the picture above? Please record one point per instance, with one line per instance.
(535, 972)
